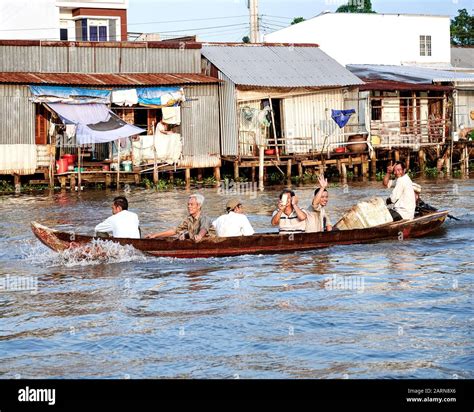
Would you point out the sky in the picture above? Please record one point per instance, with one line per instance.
(228, 20)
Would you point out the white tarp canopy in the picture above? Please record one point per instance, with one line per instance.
(95, 123)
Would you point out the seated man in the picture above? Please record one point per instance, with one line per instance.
(122, 223)
(195, 226)
(234, 223)
(402, 200)
(421, 207)
(289, 217)
(318, 220)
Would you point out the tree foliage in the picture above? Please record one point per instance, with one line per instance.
(356, 6)
(246, 39)
(462, 29)
(297, 20)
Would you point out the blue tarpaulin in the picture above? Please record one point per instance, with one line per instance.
(341, 117)
(160, 96)
(75, 94)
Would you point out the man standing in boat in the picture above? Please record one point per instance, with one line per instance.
(401, 203)
(318, 220)
(122, 223)
(195, 226)
(289, 217)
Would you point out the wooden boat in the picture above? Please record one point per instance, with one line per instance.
(266, 243)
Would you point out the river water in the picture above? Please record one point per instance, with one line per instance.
(399, 309)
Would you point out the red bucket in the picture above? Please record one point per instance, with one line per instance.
(61, 166)
(69, 158)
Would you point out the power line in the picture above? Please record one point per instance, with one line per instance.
(131, 24)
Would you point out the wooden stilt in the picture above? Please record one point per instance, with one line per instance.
(356, 170)
(79, 178)
(407, 163)
(261, 167)
(217, 174)
(344, 171)
(199, 174)
(397, 155)
(62, 180)
(236, 170)
(16, 180)
(108, 180)
(373, 164)
(300, 170)
(72, 181)
(253, 174)
(421, 161)
(187, 177)
(365, 165)
(339, 166)
(288, 170)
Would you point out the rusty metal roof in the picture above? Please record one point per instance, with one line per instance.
(96, 79)
(113, 44)
(389, 85)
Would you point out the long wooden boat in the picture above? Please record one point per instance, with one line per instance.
(266, 243)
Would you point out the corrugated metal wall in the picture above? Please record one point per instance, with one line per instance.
(307, 120)
(200, 127)
(50, 59)
(464, 104)
(228, 117)
(17, 115)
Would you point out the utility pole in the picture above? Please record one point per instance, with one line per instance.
(254, 29)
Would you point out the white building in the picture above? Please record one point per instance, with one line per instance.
(99, 20)
(363, 38)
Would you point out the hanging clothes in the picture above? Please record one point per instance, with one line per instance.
(125, 97)
(341, 117)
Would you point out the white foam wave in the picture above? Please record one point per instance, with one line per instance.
(96, 252)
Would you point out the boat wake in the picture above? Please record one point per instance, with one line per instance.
(94, 253)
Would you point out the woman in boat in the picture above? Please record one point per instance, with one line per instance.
(318, 220)
(195, 227)
(289, 217)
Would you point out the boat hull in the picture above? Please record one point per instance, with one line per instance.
(268, 243)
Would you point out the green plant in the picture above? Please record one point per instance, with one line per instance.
(209, 181)
(379, 176)
(431, 171)
(6, 186)
(147, 183)
(457, 173)
(162, 185)
(275, 177)
(350, 174)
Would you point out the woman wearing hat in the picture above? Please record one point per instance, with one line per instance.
(234, 222)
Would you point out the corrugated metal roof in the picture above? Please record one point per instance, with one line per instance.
(462, 57)
(409, 74)
(278, 66)
(82, 79)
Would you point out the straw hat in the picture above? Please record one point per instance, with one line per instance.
(416, 187)
(232, 204)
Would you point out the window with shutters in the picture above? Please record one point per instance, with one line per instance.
(425, 45)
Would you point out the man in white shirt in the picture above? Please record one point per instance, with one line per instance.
(234, 223)
(402, 200)
(122, 223)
